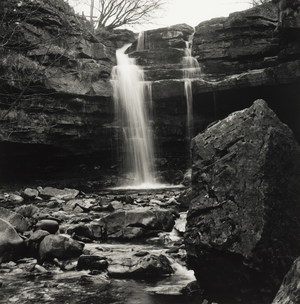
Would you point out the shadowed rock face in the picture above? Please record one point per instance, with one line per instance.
(243, 228)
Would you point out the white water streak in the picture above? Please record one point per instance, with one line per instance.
(191, 70)
(130, 90)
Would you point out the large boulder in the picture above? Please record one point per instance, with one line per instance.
(12, 246)
(60, 247)
(243, 228)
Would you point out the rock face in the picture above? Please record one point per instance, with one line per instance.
(289, 290)
(56, 75)
(243, 228)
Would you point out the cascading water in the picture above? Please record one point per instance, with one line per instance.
(130, 95)
(191, 70)
(141, 41)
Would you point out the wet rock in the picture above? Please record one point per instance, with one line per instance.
(15, 198)
(30, 212)
(92, 262)
(96, 230)
(185, 198)
(33, 242)
(289, 290)
(15, 219)
(30, 194)
(138, 222)
(243, 228)
(12, 246)
(58, 246)
(141, 253)
(49, 225)
(180, 223)
(66, 193)
(174, 249)
(116, 205)
(147, 266)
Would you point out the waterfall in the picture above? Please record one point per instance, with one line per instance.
(130, 95)
(191, 70)
(141, 41)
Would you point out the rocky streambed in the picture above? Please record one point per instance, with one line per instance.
(66, 246)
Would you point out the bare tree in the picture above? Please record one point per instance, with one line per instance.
(115, 13)
(258, 2)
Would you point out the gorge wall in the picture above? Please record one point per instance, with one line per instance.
(56, 101)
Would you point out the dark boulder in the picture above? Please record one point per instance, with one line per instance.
(243, 225)
(49, 225)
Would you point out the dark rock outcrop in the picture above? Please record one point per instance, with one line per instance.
(243, 228)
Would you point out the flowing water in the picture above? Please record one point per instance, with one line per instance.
(23, 286)
(132, 97)
(191, 70)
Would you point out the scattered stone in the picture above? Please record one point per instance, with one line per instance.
(116, 205)
(30, 194)
(49, 225)
(65, 194)
(174, 249)
(15, 198)
(40, 268)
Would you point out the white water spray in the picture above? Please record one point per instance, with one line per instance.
(191, 70)
(130, 95)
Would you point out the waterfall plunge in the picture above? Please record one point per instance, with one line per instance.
(131, 93)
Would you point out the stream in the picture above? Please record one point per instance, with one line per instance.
(79, 287)
(19, 284)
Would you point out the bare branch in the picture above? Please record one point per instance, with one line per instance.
(115, 13)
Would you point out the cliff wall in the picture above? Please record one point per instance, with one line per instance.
(56, 107)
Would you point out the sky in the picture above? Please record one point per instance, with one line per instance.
(191, 12)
